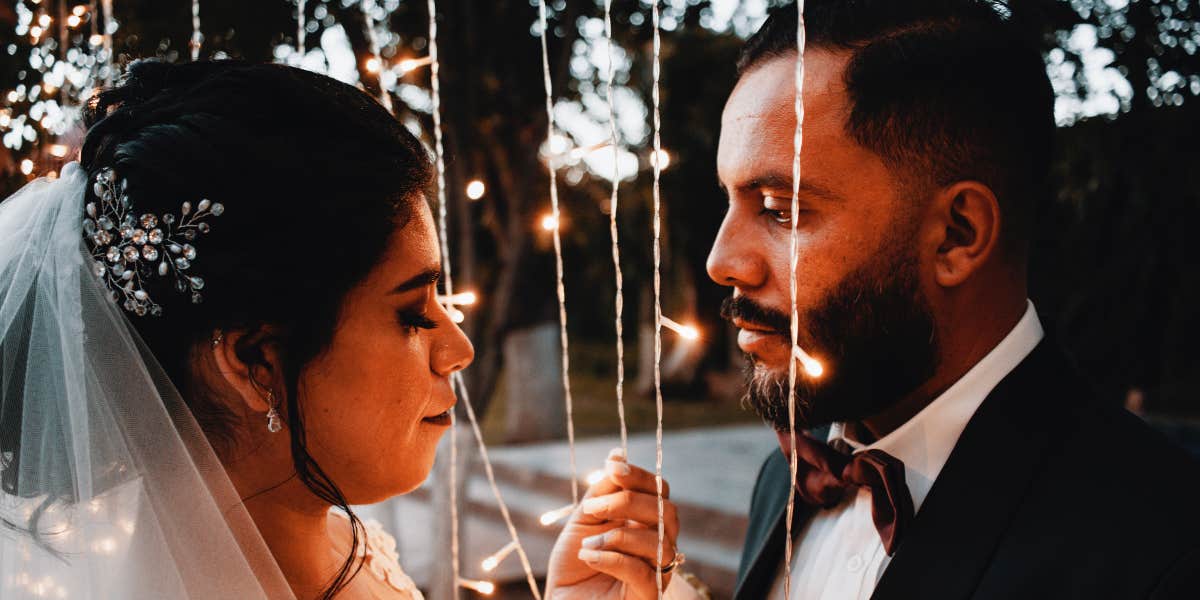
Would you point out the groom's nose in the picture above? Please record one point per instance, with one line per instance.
(736, 258)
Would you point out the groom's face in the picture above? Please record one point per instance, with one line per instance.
(862, 311)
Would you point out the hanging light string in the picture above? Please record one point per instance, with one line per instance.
(447, 276)
(558, 260)
(385, 98)
(197, 36)
(797, 354)
(107, 8)
(619, 300)
(456, 379)
(301, 30)
(461, 389)
(435, 84)
(656, 98)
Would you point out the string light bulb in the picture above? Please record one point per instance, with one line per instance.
(687, 332)
(27, 166)
(549, 222)
(596, 476)
(490, 563)
(812, 366)
(486, 588)
(551, 517)
(459, 299)
(58, 150)
(408, 65)
(373, 65)
(73, 21)
(79, 10)
(476, 189)
(96, 40)
(44, 21)
(660, 156)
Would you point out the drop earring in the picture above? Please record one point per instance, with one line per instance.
(274, 425)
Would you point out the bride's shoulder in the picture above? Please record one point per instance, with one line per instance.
(378, 553)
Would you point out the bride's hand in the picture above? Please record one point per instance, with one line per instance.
(609, 547)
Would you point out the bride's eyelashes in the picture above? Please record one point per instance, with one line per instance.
(412, 320)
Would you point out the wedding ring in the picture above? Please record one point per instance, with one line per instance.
(679, 560)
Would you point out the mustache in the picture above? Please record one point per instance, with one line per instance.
(745, 309)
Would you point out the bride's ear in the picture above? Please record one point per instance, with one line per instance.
(248, 362)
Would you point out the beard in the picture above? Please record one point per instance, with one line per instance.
(875, 334)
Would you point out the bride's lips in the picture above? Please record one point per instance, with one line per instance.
(442, 419)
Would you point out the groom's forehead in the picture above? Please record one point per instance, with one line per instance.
(759, 121)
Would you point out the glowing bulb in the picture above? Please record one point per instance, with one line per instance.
(549, 222)
(553, 516)
(459, 299)
(476, 189)
(662, 157)
(456, 315)
(35, 31)
(373, 65)
(27, 166)
(486, 588)
(812, 366)
(405, 66)
(58, 150)
(96, 40)
(490, 563)
(5, 120)
(44, 20)
(73, 21)
(596, 476)
(686, 332)
(79, 10)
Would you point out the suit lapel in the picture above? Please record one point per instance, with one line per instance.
(767, 554)
(979, 490)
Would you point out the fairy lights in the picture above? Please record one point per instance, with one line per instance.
(811, 365)
(197, 40)
(476, 189)
(486, 588)
(490, 563)
(409, 65)
(656, 97)
(687, 332)
(551, 517)
(555, 223)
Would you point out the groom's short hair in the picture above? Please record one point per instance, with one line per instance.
(941, 90)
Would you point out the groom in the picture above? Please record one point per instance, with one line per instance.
(982, 467)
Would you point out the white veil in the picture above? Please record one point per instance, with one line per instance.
(110, 489)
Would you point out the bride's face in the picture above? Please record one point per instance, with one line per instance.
(377, 401)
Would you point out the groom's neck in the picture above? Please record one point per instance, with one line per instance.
(965, 337)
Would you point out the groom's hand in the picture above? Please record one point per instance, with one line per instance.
(608, 550)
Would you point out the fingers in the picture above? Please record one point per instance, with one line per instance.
(622, 475)
(637, 574)
(641, 543)
(638, 507)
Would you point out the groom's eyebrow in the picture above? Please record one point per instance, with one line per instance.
(775, 181)
(427, 277)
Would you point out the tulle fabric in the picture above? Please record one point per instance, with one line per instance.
(110, 489)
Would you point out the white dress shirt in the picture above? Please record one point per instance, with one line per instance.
(839, 555)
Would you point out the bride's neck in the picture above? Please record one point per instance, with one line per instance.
(294, 523)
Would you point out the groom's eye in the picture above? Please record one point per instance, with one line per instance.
(778, 209)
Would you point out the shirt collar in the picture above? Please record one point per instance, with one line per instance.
(924, 442)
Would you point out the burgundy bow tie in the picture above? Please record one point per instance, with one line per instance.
(825, 473)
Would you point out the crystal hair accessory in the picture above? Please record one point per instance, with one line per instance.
(130, 250)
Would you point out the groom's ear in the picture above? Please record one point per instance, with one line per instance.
(248, 362)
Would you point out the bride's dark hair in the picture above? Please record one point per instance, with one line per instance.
(314, 175)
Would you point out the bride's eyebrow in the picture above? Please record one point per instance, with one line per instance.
(425, 278)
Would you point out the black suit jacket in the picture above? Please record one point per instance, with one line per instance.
(1047, 494)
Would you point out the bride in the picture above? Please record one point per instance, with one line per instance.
(218, 331)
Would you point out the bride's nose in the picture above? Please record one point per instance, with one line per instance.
(452, 351)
